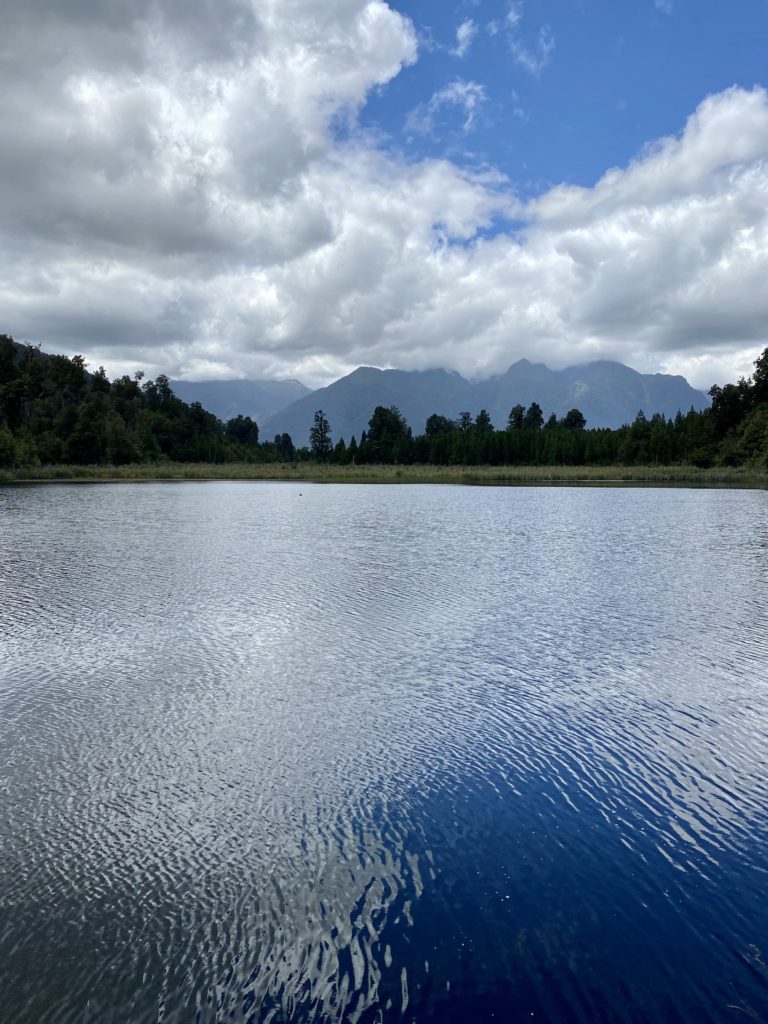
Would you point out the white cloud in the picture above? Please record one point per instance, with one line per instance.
(514, 15)
(665, 6)
(535, 59)
(465, 35)
(174, 196)
(468, 97)
(532, 57)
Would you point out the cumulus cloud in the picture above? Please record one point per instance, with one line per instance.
(176, 194)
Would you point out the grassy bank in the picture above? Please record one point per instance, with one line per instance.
(321, 473)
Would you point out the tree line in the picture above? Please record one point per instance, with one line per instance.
(732, 432)
(53, 410)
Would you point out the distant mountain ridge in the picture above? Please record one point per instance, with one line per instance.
(609, 394)
(258, 399)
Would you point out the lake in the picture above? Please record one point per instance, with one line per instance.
(275, 752)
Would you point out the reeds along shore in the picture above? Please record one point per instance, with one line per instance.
(328, 473)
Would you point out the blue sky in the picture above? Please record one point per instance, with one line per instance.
(618, 76)
(272, 188)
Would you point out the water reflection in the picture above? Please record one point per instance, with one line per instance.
(376, 754)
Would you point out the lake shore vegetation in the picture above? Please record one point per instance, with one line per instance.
(58, 421)
(314, 472)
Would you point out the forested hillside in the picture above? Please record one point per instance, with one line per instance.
(609, 394)
(54, 411)
(732, 432)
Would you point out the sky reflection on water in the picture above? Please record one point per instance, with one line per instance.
(310, 753)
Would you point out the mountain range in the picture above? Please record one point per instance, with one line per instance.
(609, 394)
(258, 399)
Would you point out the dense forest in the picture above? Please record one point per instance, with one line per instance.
(53, 410)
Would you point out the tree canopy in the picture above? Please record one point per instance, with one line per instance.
(320, 443)
(53, 410)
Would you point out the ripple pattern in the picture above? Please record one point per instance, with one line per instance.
(279, 753)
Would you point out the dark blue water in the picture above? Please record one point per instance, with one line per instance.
(352, 753)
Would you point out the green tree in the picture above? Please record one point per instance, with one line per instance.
(534, 417)
(760, 379)
(730, 405)
(159, 393)
(7, 447)
(242, 430)
(437, 424)
(516, 417)
(483, 422)
(388, 435)
(574, 420)
(87, 442)
(7, 359)
(121, 448)
(284, 445)
(753, 444)
(100, 381)
(320, 436)
(340, 452)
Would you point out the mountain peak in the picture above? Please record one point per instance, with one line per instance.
(607, 393)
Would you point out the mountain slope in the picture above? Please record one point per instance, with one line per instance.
(258, 399)
(348, 403)
(607, 393)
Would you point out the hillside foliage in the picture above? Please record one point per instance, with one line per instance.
(54, 411)
(733, 433)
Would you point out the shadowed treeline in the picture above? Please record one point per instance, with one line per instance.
(53, 412)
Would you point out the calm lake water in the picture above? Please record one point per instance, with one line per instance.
(272, 752)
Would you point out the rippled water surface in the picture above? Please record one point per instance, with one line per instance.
(281, 753)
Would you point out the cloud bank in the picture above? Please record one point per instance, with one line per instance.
(187, 190)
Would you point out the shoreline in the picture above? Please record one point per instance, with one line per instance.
(382, 474)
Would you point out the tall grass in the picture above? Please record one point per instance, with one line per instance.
(324, 473)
